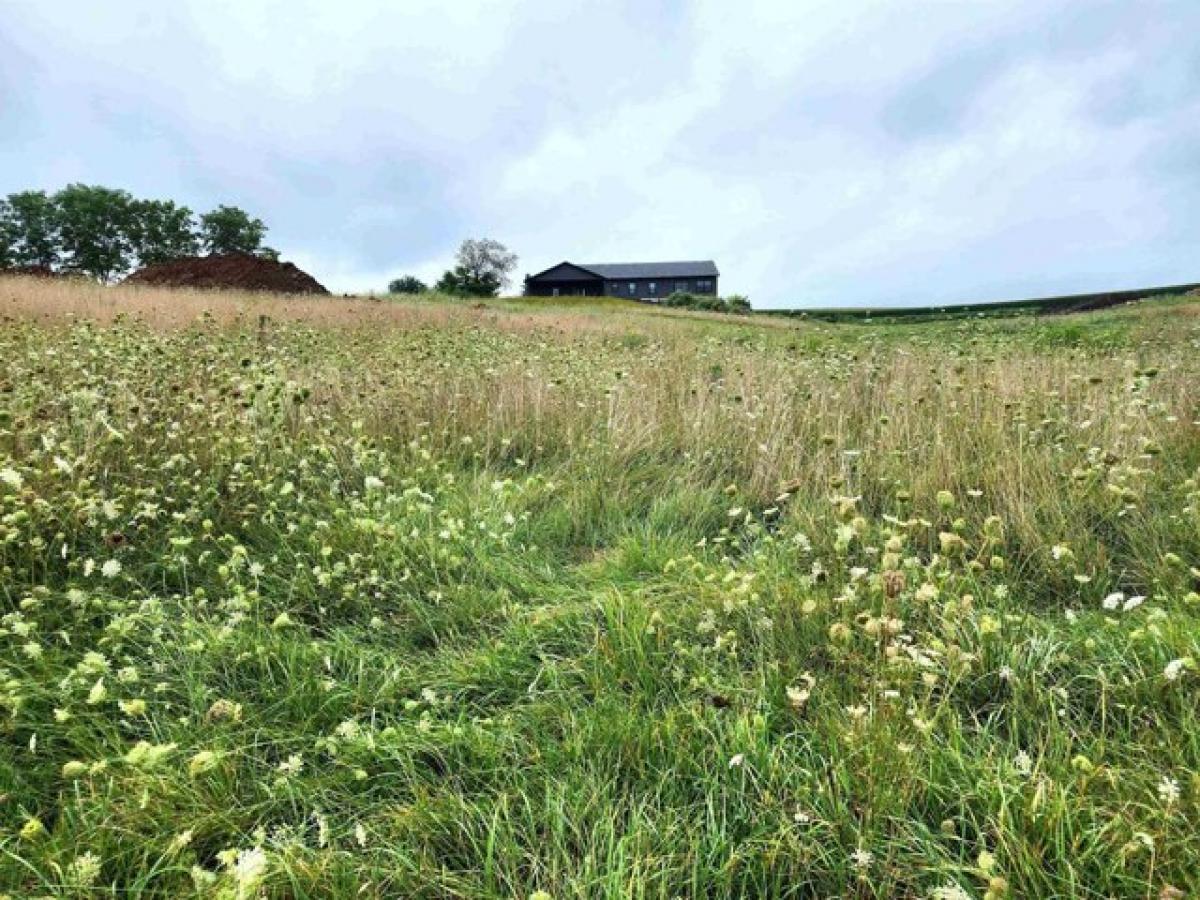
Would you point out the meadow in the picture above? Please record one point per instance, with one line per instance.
(426, 598)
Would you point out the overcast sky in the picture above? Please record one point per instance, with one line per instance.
(831, 153)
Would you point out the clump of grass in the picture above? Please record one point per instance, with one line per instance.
(434, 600)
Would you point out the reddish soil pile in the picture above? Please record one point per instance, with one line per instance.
(237, 271)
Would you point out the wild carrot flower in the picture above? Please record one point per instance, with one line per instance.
(84, 870)
(248, 869)
(1023, 763)
(224, 711)
(1174, 669)
(1168, 790)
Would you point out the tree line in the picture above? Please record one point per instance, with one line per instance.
(104, 232)
(481, 268)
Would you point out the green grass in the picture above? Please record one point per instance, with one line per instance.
(601, 602)
(1072, 303)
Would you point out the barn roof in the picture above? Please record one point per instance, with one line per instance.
(701, 268)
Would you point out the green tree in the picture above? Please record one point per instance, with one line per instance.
(482, 267)
(407, 284)
(228, 229)
(95, 230)
(29, 222)
(163, 231)
(7, 238)
(463, 283)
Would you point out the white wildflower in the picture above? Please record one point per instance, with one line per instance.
(1168, 790)
(1023, 763)
(84, 870)
(292, 765)
(249, 869)
(1175, 668)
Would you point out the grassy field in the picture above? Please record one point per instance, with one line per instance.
(349, 598)
(1073, 303)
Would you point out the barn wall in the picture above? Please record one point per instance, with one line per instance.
(664, 287)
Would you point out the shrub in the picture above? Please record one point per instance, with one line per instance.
(735, 303)
(407, 284)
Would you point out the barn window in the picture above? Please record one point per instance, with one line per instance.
(653, 287)
(632, 288)
(681, 286)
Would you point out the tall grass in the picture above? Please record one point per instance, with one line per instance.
(385, 599)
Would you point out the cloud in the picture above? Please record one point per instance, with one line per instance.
(822, 155)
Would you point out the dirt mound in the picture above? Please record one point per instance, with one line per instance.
(236, 271)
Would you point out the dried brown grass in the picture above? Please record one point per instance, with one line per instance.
(59, 300)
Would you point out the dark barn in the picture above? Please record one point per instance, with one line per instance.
(649, 282)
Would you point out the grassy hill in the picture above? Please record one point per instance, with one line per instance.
(514, 599)
(1071, 303)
